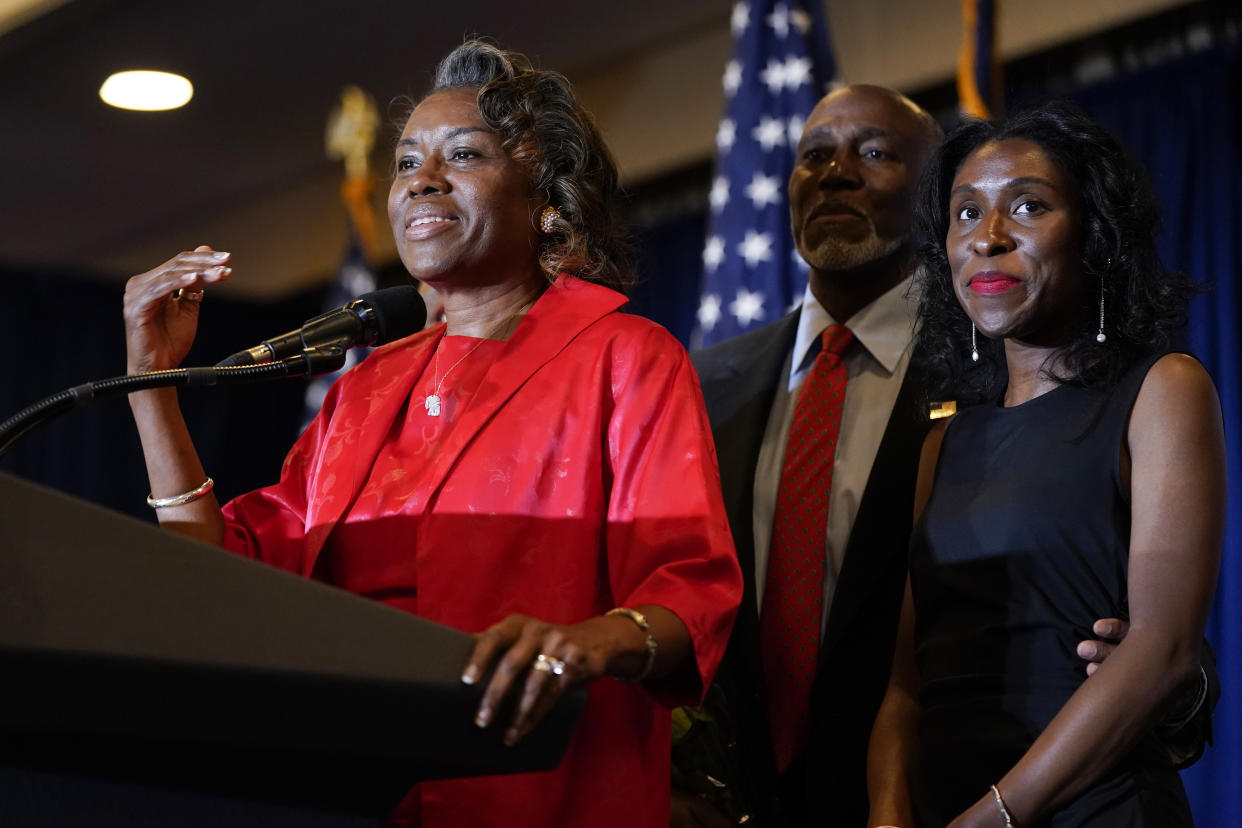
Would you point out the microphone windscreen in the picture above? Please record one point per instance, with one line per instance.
(399, 312)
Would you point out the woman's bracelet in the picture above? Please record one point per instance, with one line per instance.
(641, 620)
(1184, 708)
(183, 498)
(1000, 803)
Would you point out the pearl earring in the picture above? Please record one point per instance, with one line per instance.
(548, 219)
(974, 347)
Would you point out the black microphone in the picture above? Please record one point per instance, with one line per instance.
(372, 319)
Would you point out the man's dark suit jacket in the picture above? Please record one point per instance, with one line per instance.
(827, 785)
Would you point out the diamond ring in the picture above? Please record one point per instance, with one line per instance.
(547, 664)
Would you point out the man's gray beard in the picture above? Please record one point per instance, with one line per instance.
(833, 254)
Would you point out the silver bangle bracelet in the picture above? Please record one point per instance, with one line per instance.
(183, 498)
(1183, 711)
(1000, 803)
(641, 620)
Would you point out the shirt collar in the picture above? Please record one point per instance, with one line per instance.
(885, 328)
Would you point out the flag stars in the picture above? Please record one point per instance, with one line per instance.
(740, 19)
(763, 190)
(755, 248)
(770, 76)
(719, 196)
(770, 133)
(794, 131)
(797, 71)
(709, 311)
(732, 77)
(773, 76)
(789, 73)
(713, 253)
(779, 20)
(747, 307)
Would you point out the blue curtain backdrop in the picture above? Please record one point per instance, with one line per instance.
(65, 328)
(1183, 121)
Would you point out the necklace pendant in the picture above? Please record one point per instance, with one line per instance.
(432, 404)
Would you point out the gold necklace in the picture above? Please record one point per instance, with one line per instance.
(433, 400)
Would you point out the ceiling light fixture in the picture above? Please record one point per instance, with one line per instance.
(146, 91)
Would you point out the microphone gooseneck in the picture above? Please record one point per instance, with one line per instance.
(318, 347)
(374, 318)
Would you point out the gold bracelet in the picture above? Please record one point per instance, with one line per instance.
(183, 498)
(641, 620)
(1000, 803)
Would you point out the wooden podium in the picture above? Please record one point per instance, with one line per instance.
(150, 680)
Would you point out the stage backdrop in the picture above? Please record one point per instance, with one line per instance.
(65, 329)
(1184, 123)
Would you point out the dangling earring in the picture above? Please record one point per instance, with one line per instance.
(548, 218)
(1100, 337)
(974, 348)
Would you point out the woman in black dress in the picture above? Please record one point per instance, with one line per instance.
(1085, 479)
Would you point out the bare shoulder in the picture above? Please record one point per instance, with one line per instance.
(1178, 381)
(1177, 399)
(1177, 478)
(1178, 374)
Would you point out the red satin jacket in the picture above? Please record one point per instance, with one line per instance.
(580, 477)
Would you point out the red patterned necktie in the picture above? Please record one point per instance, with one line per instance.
(794, 593)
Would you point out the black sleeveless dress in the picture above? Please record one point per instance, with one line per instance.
(1023, 545)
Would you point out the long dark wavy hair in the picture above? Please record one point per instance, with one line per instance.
(1144, 304)
(544, 128)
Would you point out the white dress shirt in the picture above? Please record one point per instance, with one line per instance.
(875, 366)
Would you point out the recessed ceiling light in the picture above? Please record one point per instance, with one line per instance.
(146, 91)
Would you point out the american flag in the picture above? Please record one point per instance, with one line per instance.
(781, 66)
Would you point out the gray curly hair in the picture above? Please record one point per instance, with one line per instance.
(544, 128)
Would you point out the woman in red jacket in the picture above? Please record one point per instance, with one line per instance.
(539, 468)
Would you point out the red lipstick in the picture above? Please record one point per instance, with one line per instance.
(992, 282)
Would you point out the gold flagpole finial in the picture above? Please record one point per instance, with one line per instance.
(350, 138)
(351, 131)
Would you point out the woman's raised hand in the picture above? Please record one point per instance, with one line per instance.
(161, 308)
